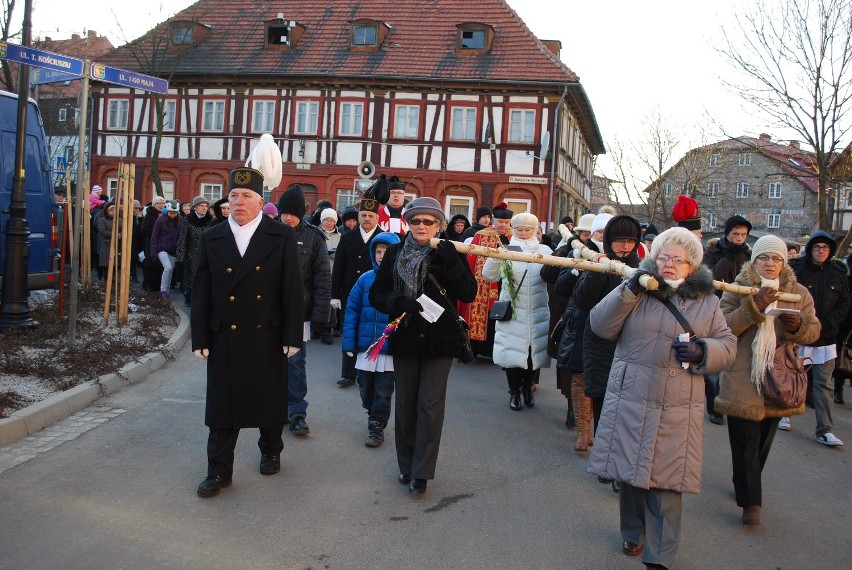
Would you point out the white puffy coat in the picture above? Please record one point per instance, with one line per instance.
(528, 327)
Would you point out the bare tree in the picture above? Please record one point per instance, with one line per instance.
(9, 32)
(796, 57)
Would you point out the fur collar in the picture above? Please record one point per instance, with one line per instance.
(695, 285)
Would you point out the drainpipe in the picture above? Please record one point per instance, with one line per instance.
(553, 158)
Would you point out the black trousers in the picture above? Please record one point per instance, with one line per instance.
(750, 444)
(222, 442)
(347, 363)
(517, 377)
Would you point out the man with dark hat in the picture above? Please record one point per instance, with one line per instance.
(476, 312)
(316, 284)
(352, 260)
(245, 294)
(390, 215)
(687, 214)
(483, 220)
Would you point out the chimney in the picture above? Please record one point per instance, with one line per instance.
(765, 137)
(75, 36)
(93, 35)
(794, 144)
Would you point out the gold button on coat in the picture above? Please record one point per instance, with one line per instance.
(233, 327)
(229, 270)
(231, 298)
(257, 268)
(259, 297)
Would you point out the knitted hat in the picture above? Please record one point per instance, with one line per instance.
(424, 205)
(734, 221)
(137, 204)
(502, 212)
(350, 213)
(769, 244)
(622, 227)
(292, 202)
(524, 220)
(199, 200)
(567, 220)
(585, 223)
(600, 222)
(686, 213)
(482, 211)
(270, 209)
(328, 213)
(247, 178)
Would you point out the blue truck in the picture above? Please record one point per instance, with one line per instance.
(42, 212)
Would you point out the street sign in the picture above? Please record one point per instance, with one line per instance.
(38, 58)
(41, 76)
(130, 79)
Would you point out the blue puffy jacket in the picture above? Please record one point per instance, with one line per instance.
(362, 324)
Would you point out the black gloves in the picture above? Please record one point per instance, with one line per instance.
(633, 282)
(692, 352)
(447, 253)
(408, 305)
(764, 297)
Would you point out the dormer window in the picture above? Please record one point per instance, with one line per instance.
(367, 35)
(281, 32)
(474, 38)
(364, 35)
(182, 34)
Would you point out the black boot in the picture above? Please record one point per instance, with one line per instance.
(376, 435)
(529, 401)
(515, 399)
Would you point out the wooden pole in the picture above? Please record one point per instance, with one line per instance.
(86, 235)
(126, 237)
(113, 245)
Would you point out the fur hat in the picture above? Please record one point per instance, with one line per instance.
(269, 209)
(424, 205)
(600, 222)
(376, 195)
(292, 202)
(585, 223)
(686, 213)
(734, 221)
(524, 220)
(350, 213)
(172, 206)
(248, 178)
(769, 244)
(199, 200)
(682, 237)
(328, 213)
(482, 211)
(502, 212)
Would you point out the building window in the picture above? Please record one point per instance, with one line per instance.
(169, 112)
(182, 35)
(472, 39)
(63, 113)
(351, 119)
(212, 192)
(714, 159)
(713, 190)
(463, 124)
(263, 117)
(117, 114)
(774, 189)
(712, 221)
(214, 116)
(364, 35)
(277, 34)
(668, 189)
(406, 124)
(306, 117)
(348, 196)
(459, 205)
(849, 198)
(112, 186)
(773, 221)
(745, 159)
(521, 126)
(742, 189)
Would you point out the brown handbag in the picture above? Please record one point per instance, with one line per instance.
(786, 383)
(844, 358)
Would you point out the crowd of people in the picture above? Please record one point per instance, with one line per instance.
(639, 366)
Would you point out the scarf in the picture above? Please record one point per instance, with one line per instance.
(527, 245)
(412, 266)
(763, 345)
(674, 283)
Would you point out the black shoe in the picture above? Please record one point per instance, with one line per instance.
(376, 435)
(326, 338)
(298, 426)
(529, 401)
(604, 480)
(270, 464)
(211, 486)
(417, 486)
(616, 486)
(515, 401)
(717, 419)
(404, 478)
(838, 399)
(569, 419)
(345, 382)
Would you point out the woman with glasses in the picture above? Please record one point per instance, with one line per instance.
(752, 421)
(651, 427)
(520, 342)
(423, 346)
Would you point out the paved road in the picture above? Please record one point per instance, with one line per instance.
(114, 488)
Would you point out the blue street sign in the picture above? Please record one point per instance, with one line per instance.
(41, 76)
(129, 79)
(38, 58)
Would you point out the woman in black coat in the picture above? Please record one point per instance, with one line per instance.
(152, 269)
(422, 352)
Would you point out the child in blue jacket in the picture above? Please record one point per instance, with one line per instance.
(362, 325)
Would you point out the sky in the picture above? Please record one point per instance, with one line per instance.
(633, 58)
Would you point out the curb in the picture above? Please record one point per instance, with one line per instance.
(34, 418)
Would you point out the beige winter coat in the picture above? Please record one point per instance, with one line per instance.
(651, 428)
(738, 397)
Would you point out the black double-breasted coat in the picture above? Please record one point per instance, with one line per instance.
(245, 310)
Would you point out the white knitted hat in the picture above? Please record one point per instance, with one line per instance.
(601, 220)
(524, 220)
(328, 213)
(769, 244)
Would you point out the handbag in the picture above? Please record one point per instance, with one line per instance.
(467, 355)
(786, 383)
(502, 310)
(844, 357)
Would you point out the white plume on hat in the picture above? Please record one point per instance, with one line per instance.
(268, 160)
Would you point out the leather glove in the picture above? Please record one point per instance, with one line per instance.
(291, 351)
(408, 305)
(633, 282)
(335, 304)
(791, 322)
(692, 352)
(201, 353)
(764, 297)
(447, 252)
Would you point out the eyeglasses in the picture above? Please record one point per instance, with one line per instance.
(821, 247)
(664, 259)
(763, 258)
(423, 221)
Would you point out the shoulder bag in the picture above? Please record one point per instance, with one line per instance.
(844, 357)
(786, 383)
(502, 310)
(467, 355)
